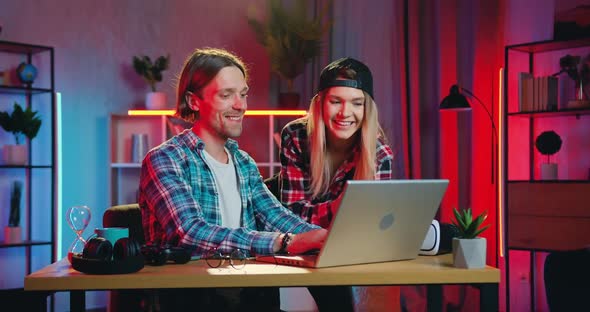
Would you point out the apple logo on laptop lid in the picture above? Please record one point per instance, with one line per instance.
(386, 221)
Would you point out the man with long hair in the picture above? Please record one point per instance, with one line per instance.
(199, 191)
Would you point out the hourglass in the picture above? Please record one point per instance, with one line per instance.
(78, 218)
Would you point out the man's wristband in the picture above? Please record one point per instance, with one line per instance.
(287, 238)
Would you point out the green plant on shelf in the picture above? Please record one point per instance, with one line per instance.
(290, 38)
(21, 123)
(151, 72)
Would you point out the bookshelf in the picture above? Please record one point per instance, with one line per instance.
(543, 215)
(38, 175)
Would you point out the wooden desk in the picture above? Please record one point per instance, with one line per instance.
(425, 270)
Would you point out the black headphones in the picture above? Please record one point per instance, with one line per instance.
(101, 257)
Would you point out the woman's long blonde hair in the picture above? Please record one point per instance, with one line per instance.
(320, 162)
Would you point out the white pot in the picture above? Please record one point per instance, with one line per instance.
(13, 235)
(469, 253)
(155, 100)
(548, 171)
(15, 154)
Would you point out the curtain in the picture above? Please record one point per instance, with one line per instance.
(373, 32)
(455, 42)
(448, 42)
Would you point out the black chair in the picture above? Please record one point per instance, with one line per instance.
(273, 184)
(567, 279)
(128, 216)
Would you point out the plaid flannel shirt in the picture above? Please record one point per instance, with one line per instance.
(295, 176)
(179, 201)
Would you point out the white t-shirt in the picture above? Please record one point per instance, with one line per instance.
(230, 204)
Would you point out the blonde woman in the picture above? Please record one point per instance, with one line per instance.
(340, 139)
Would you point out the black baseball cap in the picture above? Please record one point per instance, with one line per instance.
(330, 75)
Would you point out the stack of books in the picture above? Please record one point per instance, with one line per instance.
(536, 94)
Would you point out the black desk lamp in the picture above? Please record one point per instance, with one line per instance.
(456, 101)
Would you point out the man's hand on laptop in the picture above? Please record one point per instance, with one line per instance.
(307, 241)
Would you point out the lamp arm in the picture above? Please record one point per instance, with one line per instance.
(495, 130)
(484, 107)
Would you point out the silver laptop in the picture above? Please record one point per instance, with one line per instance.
(378, 221)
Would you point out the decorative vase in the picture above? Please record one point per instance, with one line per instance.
(548, 171)
(15, 154)
(139, 147)
(13, 235)
(155, 100)
(289, 100)
(580, 101)
(469, 253)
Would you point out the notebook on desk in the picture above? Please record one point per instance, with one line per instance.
(377, 221)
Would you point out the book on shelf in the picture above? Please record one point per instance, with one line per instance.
(552, 93)
(525, 92)
(537, 94)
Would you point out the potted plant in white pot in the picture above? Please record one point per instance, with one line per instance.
(469, 250)
(21, 123)
(291, 40)
(13, 232)
(152, 74)
(548, 143)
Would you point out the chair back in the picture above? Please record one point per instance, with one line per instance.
(273, 184)
(128, 216)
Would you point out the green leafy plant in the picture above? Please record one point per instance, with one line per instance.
(151, 72)
(290, 38)
(548, 143)
(15, 196)
(21, 123)
(468, 227)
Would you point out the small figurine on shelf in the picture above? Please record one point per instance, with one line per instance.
(20, 123)
(548, 143)
(152, 74)
(12, 232)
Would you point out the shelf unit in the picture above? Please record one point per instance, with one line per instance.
(38, 247)
(543, 215)
(124, 174)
